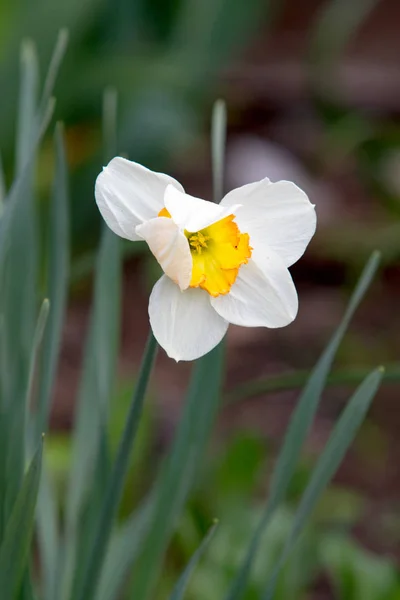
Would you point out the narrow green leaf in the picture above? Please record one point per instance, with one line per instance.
(218, 140)
(48, 534)
(19, 303)
(180, 588)
(3, 190)
(294, 380)
(27, 104)
(95, 392)
(31, 125)
(110, 106)
(14, 551)
(328, 463)
(19, 247)
(95, 558)
(57, 281)
(37, 340)
(54, 67)
(178, 474)
(16, 196)
(88, 467)
(27, 589)
(299, 426)
(93, 503)
(18, 276)
(123, 549)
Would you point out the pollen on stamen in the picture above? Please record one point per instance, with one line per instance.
(198, 241)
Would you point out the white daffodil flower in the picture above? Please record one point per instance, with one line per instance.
(223, 263)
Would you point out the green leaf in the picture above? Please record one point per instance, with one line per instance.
(90, 452)
(95, 392)
(57, 281)
(16, 197)
(27, 104)
(294, 380)
(27, 591)
(54, 67)
(328, 463)
(122, 551)
(3, 190)
(19, 247)
(180, 588)
(15, 548)
(33, 121)
(37, 340)
(178, 474)
(218, 141)
(48, 534)
(86, 588)
(298, 428)
(110, 105)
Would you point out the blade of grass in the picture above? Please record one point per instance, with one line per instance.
(57, 281)
(178, 474)
(99, 371)
(95, 391)
(57, 290)
(180, 588)
(32, 124)
(93, 502)
(123, 549)
(18, 272)
(15, 548)
(27, 104)
(87, 586)
(16, 196)
(218, 141)
(54, 67)
(292, 381)
(3, 191)
(27, 592)
(37, 340)
(48, 534)
(328, 463)
(110, 106)
(96, 387)
(299, 426)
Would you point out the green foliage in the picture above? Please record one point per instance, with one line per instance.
(180, 588)
(16, 543)
(299, 426)
(85, 551)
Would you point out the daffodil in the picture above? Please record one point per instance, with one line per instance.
(223, 263)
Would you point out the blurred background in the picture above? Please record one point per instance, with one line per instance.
(313, 95)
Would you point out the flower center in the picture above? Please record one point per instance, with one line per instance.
(198, 241)
(218, 251)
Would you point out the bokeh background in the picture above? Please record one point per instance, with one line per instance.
(313, 95)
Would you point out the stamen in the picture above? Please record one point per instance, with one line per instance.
(198, 241)
(218, 251)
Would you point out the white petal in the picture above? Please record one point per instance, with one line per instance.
(184, 323)
(263, 294)
(170, 247)
(128, 194)
(278, 215)
(193, 213)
